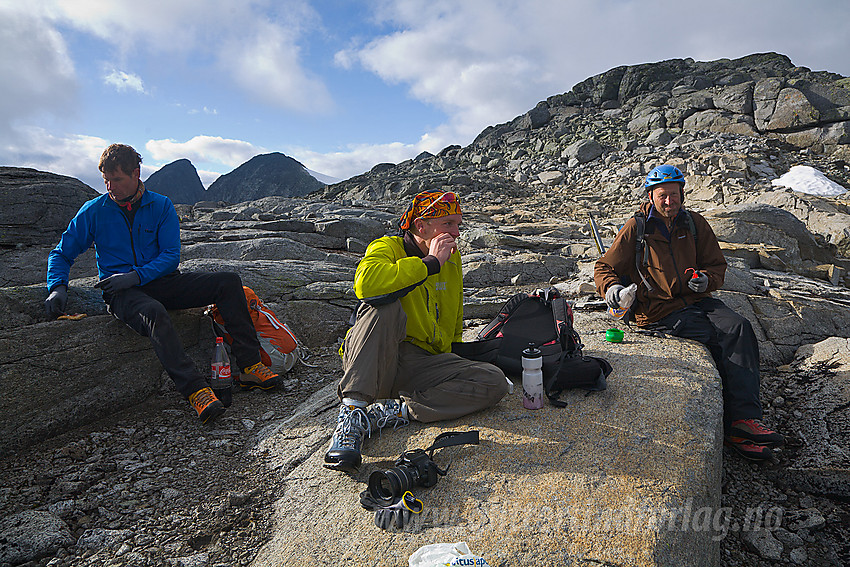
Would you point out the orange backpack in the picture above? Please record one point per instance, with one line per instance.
(279, 348)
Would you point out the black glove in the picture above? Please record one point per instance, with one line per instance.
(612, 295)
(118, 282)
(698, 284)
(55, 302)
(396, 515)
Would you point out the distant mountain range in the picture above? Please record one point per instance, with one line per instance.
(261, 176)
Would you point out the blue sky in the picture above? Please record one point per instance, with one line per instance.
(341, 85)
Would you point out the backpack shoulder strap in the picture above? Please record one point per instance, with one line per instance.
(505, 312)
(559, 309)
(641, 249)
(640, 232)
(564, 324)
(693, 228)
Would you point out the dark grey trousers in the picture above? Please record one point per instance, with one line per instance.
(733, 346)
(144, 309)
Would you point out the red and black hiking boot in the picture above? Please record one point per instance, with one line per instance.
(753, 431)
(259, 376)
(750, 450)
(206, 404)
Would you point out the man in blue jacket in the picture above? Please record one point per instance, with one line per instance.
(136, 235)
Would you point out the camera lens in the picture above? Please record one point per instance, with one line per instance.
(388, 486)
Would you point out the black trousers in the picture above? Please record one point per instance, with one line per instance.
(144, 309)
(733, 346)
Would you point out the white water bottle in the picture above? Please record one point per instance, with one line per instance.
(221, 380)
(532, 377)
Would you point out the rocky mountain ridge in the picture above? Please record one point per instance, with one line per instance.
(731, 126)
(263, 175)
(179, 181)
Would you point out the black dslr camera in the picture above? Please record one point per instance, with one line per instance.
(415, 468)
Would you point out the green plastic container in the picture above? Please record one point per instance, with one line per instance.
(614, 336)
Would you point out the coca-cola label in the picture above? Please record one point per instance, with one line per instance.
(221, 372)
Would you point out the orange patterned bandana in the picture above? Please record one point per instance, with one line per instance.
(429, 205)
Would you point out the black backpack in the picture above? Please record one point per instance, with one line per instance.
(545, 319)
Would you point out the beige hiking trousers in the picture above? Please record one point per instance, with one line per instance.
(378, 363)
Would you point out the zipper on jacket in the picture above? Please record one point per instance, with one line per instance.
(682, 285)
(132, 243)
(428, 307)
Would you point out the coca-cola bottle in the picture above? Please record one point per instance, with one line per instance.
(221, 380)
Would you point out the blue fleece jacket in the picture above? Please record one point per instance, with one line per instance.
(151, 246)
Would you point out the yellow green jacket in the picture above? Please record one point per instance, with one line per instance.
(433, 304)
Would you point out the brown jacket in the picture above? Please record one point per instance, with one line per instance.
(666, 265)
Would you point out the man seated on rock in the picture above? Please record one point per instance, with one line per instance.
(136, 235)
(398, 353)
(681, 265)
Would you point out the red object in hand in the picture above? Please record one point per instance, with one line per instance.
(695, 274)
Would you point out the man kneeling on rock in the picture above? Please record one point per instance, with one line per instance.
(136, 234)
(679, 266)
(398, 353)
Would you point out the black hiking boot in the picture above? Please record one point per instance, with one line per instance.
(352, 426)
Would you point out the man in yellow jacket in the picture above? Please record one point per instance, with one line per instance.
(399, 350)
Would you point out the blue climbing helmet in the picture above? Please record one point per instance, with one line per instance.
(664, 174)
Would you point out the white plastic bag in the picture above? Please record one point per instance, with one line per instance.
(445, 554)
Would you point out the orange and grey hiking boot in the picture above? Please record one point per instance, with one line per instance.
(206, 404)
(259, 376)
(753, 431)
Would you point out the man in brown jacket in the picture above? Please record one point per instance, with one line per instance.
(676, 269)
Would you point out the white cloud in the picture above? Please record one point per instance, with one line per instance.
(355, 160)
(75, 156)
(267, 66)
(124, 81)
(163, 26)
(255, 43)
(474, 60)
(36, 69)
(204, 110)
(204, 149)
